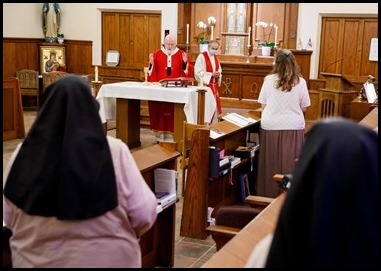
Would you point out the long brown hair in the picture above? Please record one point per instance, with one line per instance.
(287, 69)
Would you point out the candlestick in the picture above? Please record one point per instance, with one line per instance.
(211, 32)
(96, 73)
(187, 33)
(276, 35)
(249, 38)
(145, 70)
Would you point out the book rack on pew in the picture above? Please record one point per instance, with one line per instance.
(158, 244)
(202, 191)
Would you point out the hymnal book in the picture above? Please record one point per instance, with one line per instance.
(218, 166)
(165, 181)
(244, 186)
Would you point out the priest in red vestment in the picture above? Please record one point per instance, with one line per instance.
(207, 69)
(167, 62)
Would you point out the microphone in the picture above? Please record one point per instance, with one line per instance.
(330, 64)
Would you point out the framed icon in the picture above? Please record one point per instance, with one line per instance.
(52, 58)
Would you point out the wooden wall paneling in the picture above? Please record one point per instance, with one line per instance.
(183, 18)
(110, 35)
(125, 42)
(350, 54)
(290, 26)
(20, 54)
(269, 13)
(153, 36)
(79, 57)
(329, 49)
(138, 40)
(201, 12)
(370, 30)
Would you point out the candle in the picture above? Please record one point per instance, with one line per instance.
(187, 33)
(211, 32)
(276, 34)
(249, 38)
(201, 75)
(96, 73)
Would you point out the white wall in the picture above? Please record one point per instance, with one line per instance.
(83, 21)
(78, 21)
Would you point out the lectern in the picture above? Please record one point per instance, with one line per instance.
(336, 97)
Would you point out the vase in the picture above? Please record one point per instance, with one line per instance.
(203, 48)
(266, 50)
(60, 40)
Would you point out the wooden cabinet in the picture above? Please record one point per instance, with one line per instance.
(345, 46)
(134, 35)
(201, 191)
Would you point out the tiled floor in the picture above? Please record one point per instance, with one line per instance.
(189, 252)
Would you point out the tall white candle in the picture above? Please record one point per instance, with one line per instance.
(211, 32)
(276, 34)
(187, 33)
(249, 37)
(96, 73)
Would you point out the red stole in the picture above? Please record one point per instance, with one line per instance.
(213, 84)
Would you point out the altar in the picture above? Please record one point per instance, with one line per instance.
(121, 101)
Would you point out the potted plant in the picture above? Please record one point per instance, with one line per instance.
(60, 37)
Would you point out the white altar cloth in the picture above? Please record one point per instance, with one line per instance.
(139, 91)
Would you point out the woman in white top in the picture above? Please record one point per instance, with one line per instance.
(284, 98)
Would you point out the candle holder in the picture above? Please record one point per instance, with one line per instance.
(187, 47)
(248, 53)
(145, 70)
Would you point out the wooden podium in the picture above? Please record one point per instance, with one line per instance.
(336, 97)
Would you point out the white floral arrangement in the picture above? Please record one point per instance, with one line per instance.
(206, 29)
(266, 38)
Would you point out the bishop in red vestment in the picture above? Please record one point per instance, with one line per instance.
(167, 62)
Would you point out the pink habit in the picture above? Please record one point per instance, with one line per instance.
(110, 240)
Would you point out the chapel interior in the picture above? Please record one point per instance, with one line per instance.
(335, 62)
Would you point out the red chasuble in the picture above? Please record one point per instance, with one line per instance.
(165, 66)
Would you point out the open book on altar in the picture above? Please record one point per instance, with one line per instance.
(177, 82)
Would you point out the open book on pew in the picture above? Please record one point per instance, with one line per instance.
(239, 120)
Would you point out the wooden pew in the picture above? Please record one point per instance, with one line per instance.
(237, 251)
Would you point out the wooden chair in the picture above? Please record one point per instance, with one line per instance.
(230, 220)
(188, 129)
(327, 108)
(29, 84)
(50, 77)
